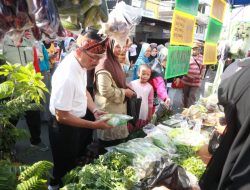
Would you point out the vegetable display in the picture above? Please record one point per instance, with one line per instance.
(187, 159)
(111, 171)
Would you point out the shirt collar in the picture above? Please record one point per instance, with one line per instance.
(76, 65)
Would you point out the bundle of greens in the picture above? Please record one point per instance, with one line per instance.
(189, 161)
(110, 171)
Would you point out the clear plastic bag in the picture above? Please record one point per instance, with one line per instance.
(164, 142)
(116, 120)
(143, 153)
(121, 19)
(187, 137)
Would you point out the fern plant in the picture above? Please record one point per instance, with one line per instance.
(22, 90)
(30, 177)
(39, 169)
(33, 183)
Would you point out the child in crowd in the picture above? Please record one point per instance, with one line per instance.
(144, 90)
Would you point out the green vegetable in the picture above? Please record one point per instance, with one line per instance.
(110, 171)
(188, 160)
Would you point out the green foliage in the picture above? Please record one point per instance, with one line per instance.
(8, 179)
(6, 89)
(110, 171)
(32, 176)
(9, 135)
(39, 169)
(33, 183)
(23, 80)
(187, 159)
(72, 176)
(23, 90)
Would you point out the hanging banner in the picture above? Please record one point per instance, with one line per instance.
(182, 30)
(187, 6)
(213, 31)
(218, 9)
(210, 54)
(153, 6)
(177, 61)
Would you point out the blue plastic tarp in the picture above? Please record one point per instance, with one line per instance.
(239, 2)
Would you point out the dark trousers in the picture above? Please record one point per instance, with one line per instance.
(86, 134)
(65, 142)
(33, 121)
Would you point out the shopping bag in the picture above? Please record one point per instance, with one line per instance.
(214, 142)
(133, 108)
(177, 85)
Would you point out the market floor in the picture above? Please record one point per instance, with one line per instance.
(27, 154)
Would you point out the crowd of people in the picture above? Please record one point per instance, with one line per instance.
(90, 75)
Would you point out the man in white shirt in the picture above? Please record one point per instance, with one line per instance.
(69, 102)
(132, 53)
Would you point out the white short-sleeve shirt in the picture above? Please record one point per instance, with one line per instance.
(69, 87)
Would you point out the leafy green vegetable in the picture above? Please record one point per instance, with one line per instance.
(187, 159)
(109, 171)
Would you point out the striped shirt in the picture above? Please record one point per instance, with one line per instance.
(196, 72)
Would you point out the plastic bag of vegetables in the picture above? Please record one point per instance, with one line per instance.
(116, 120)
(143, 154)
(164, 142)
(186, 136)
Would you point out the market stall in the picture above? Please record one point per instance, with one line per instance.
(169, 155)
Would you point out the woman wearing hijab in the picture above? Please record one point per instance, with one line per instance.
(229, 167)
(110, 94)
(142, 59)
(154, 52)
(157, 76)
(68, 44)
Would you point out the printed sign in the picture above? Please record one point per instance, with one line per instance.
(187, 6)
(177, 61)
(182, 30)
(213, 31)
(210, 54)
(218, 10)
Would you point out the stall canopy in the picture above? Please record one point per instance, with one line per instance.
(239, 2)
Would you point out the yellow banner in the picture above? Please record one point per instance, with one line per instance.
(210, 54)
(182, 31)
(218, 9)
(153, 6)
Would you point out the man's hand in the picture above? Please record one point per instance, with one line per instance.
(99, 113)
(101, 124)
